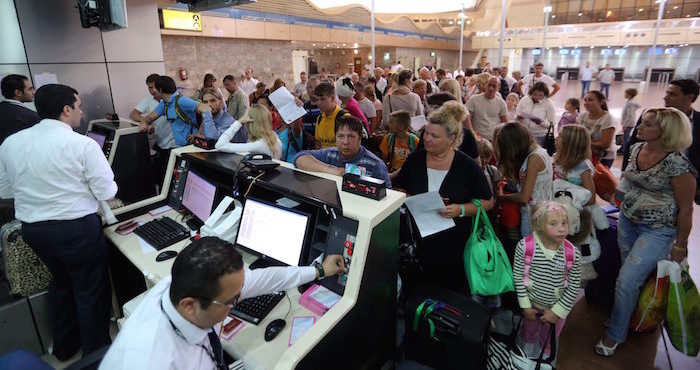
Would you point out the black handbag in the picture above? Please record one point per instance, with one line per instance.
(549, 143)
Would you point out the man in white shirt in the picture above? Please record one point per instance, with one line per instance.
(161, 129)
(458, 72)
(487, 109)
(248, 83)
(177, 323)
(538, 76)
(367, 107)
(424, 75)
(503, 73)
(606, 77)
(381, 81)
(58, 178)
(587, 74)
(300, 88)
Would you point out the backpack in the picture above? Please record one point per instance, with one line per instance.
(341, 113)
(391, 143)
(504, 90)
(569, 256)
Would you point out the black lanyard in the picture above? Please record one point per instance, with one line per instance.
(177, 331)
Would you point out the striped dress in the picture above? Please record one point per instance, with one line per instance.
(546, 289)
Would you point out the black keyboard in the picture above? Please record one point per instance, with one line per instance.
(255, 309)
(162, 232)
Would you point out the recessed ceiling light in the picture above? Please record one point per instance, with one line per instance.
(675, 7)
(641, 9)
(554, 16)
(580, 14)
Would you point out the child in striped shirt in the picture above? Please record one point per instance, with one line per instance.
(547, 274)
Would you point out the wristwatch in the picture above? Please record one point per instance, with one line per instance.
(321, 273)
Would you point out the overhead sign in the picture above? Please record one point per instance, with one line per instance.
(179, 20)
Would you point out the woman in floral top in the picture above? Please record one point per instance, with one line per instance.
(656, 215)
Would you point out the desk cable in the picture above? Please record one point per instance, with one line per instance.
(252, 182)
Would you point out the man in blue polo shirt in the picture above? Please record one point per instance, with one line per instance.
(348, 150)
(179, 111)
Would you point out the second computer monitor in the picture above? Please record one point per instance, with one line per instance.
(198, 196)
(272, 231)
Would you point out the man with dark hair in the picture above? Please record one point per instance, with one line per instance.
(440, 73)
(680, 94)
(162, 132)
(348, 151)
(237, 102)
(180, 111)
(330, 111)
(14, 116)
(178, 322)
(58, 178)
(533, 78)
(311, 107)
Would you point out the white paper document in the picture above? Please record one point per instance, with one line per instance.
(424, 209)
(325, 296)
(417, 122)
(285, 104)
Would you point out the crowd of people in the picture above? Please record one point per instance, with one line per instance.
(469, 135)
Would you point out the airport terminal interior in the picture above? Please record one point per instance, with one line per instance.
(349, 184)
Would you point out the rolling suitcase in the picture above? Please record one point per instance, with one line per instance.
(601, 291)
(25, 272)
(445, 330)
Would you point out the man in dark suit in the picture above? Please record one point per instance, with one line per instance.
(680, 94)
(14, 116)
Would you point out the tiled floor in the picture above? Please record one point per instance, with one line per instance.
(584, 326)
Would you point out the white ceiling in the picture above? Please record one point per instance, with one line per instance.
(400, 6)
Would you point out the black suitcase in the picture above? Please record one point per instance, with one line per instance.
(453, 334)
(601, 291)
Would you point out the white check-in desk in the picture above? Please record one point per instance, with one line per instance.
(359, 331)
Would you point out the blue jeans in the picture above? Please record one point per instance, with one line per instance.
(605, 87)
(626, 133)
(641, 247)
(585, 87)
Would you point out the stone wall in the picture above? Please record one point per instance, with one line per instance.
(268, 59)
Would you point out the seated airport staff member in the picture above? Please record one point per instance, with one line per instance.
(216, 121)
(177, 324)
(57, 178)
(178, 110)
(348, 150)
(261, 138)
(14, 116)
(161, 129)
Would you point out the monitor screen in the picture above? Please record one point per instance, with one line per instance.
(99, 138)
(198, 196)
(272, 231)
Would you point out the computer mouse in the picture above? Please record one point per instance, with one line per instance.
(165, 255)
(274, 328)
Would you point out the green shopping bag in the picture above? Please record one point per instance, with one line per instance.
(683, 312)
(485, 261)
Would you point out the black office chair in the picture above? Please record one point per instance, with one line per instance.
(91, 361)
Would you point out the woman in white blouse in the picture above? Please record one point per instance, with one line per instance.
(261, 138)
(536, 112)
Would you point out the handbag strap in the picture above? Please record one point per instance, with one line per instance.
(552, 338)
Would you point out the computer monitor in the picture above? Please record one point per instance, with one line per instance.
(99, 138)
(198, 196)
(272, 231)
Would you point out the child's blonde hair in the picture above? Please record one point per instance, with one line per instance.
(538, 218)
(574, 148)
(485, 148)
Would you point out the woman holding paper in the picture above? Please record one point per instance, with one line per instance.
(536, 112)
(261, 138)
(441, 167)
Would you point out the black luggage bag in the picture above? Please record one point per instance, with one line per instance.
(601, 291)
(445, 330)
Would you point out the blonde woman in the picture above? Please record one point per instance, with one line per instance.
(656, 213)
(261, 138)
(441, 167)
(451, 86)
